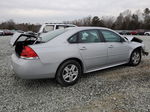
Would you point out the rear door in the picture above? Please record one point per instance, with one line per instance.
(92, 49)
(118, 50)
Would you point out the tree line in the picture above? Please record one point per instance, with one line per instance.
(125, 21)
(11, 25)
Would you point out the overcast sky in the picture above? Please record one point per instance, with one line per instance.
(41, 11)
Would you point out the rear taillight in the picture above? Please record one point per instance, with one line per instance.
(28, 53)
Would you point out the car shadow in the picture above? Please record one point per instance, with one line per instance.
(103, 71)
(35, 83)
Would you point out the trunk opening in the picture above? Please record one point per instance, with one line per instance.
(21, 44)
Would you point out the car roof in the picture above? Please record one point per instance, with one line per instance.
(87, 28)
(59, 24)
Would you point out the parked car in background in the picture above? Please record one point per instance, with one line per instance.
(137, 32)
(128, 32)
(1, 32)
(133, 32)
(147, 33)
(8, 32)
(123, 32)
(65, 54)
(53, 26)
(140, 31)
(120, 32)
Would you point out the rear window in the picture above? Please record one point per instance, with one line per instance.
(51, 35)
(60, 27)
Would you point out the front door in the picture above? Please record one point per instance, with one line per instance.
(118, 50)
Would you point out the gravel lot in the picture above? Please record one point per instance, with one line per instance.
(118, 89)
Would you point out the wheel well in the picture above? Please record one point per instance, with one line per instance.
(138, 48)
(75, 59)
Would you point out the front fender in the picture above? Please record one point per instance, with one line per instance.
(135, 45)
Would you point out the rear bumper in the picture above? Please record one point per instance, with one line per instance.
(32, 69)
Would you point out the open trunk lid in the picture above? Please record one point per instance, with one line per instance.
(20, 37)
(14, 38)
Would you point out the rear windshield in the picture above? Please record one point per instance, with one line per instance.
(50, 35)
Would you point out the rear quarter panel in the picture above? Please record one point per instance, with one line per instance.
(56, 54)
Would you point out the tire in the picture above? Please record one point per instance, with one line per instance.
(68, 73)
(135, 58)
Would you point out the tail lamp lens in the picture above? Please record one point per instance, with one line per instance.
(28, 52)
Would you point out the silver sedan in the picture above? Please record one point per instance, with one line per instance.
(66, 54)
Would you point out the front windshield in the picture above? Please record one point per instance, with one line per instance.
(50, 35)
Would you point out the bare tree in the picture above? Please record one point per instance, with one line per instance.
(147, 18)
(108, 21)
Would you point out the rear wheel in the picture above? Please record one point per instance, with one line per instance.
(68, 73)
(135, 58)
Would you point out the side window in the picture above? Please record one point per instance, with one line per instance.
(69, 26)
(48, 28)
(110, 36)
(89, 36)
(73, 39)
(60, 27)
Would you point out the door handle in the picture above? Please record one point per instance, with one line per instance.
(83, 48)
(111, 46)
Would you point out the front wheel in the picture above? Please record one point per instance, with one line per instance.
(68, 73)
(135, 58)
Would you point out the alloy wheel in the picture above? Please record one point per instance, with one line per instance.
(135, 57)
(70, 73)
